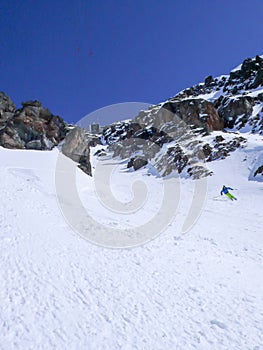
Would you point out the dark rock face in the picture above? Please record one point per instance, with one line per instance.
(256, 123)
(93, 140)
(7, 108)
(35, 144)
(207, 150)
(259, 171)
(9, 138)
(124, 139)
(36, 128)
(120, 131)
(31, 127)
(233, 105)
(258, 79)
(248, 76)
(197, 112)
(198, 172)
(100, 153)
(137, 163)
(231, 109)
(76, 147)
(209, 80)
(221, 148)
(134, 146)
(176, 159)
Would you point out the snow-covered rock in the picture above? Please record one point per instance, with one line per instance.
(173, 135)
(76, 147)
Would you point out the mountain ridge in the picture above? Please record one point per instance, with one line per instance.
(230, 104)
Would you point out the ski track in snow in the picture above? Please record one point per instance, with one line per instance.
(202, 290)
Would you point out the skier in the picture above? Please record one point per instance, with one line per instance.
(227, 193)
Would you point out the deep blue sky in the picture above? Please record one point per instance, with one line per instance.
(78, 56)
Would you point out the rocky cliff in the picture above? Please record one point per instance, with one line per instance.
(35, 127)
(177, 135)
(30, 127)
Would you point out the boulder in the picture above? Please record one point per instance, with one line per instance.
(9, 138)
(137, 162)
(209, 80)
(259, 171)
(93, 140)
(76, 147)
(198, 172)
(35, 144)
(207, 150)
(248, 67)
(100, 153)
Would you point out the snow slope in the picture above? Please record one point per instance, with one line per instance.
(201, 290)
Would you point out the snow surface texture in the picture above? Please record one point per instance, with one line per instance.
(201, 290)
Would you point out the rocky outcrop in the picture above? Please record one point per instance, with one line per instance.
(236, 112)
(185, 147)
(100, 153)
(178, 160)
(248, 76)
(36, 128)
(196, 112)
(209, 80)
(248, 68)
(221, 148)
(76, 147)
(218, 104)
(137, 162)
(134, 146)
(31, 127)
(93, 140)
(7, 108)
(120, 131)
(128, 138)
(135, 131)
(233, 96)
(174, 159)
(259, 171)
(199, 171)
